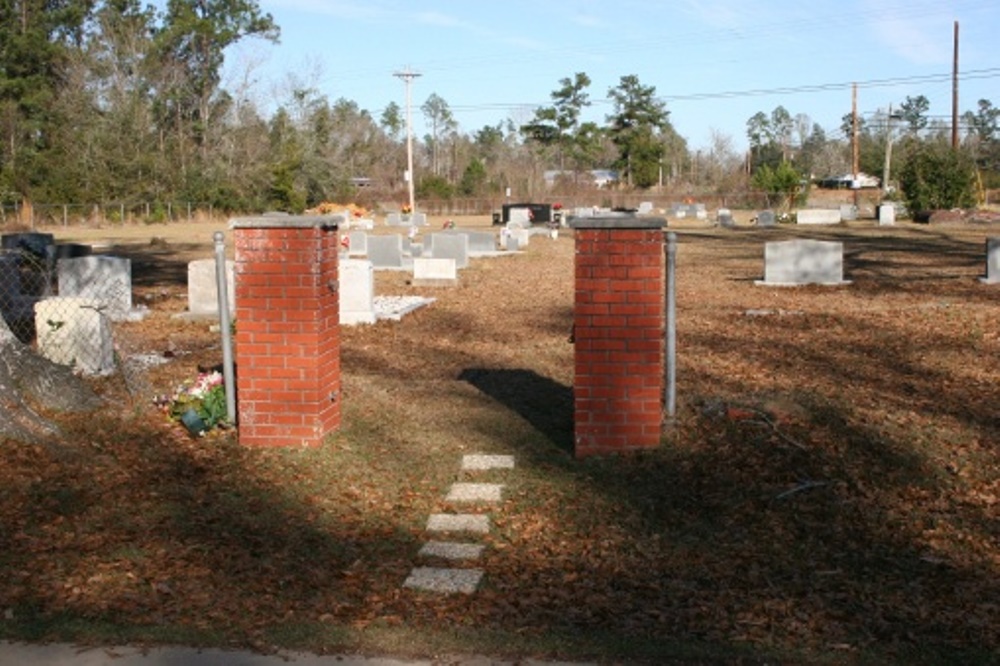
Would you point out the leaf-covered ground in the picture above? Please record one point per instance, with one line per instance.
(828, 493)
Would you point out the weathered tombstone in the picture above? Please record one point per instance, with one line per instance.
(992, 261)
(848, 212)
(357, 244)
(386, 251)
(645, 208)
(418, 220)
(203, 288)
(520, 236)
(886, 215)
(450, 246)
(363, 223)
(394, 220)
(725, 218)
(583, 212)
(818, 216)
(357, 292)
(797, 262)
(765, 218)
(101, 278)
(435, 272)
(698, 211)
(520, 217)
(74, 332)
(481, 242)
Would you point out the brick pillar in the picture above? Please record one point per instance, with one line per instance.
(618, 322)
(287, 329)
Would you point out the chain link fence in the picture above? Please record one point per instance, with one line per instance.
(65, 302)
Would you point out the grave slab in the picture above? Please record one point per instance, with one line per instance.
(461, 522)
(203, 288)
(73, 332)
(102, 278)
(765, 218)
(799, 262)
(450, 550)
(483, 461)
(386, 252)
(886, 215)
(433, 272)
(357, 292)
(818, 216)
(450, 246)
(358, 244)
(475, 492)
(447, 581)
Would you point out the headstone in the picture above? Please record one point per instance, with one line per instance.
(101, 278)
(385, 251)
(818, 216)
(358, 244)
(434, 272)
(357, 292)
(725, 218)
(645, 208)
(886, 215)
(797, 262)
(519, 217)
(394, 220)
(34, 242)
(765, 218)
(419, 219)
(203, 288)
(481, 242)
(992, 261)
(848, 212)
(74, 332)
(583, 212)
(679, 211)
(450, 246)
(363, 223)
(69, 251)
(698, 211)
(519, 236)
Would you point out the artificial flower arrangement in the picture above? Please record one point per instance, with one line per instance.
(406, 209)
(200, 405)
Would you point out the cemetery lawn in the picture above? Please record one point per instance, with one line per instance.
(829, 492)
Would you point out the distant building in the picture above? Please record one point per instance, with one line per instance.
(847, 182)
(598, 177)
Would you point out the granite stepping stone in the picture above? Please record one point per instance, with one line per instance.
(462, 581)
(461, 522)
(475, 492)
(451, 550)
(479, 461)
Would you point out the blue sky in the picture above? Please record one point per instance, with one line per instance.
(715, 62)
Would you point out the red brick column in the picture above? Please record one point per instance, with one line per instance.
(619, 324)
(287, 329)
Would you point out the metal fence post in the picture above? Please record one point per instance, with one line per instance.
(222, 285)
(670, 365)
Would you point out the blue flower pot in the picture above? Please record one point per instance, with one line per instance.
(193, 423)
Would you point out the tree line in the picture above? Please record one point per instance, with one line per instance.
(110, 100)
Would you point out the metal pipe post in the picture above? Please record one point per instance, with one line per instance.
(670, 362)
(222, 285)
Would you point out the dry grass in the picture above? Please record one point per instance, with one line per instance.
(857, 524)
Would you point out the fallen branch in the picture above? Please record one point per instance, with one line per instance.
(763, 416)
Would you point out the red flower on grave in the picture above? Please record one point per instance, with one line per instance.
(345, 242)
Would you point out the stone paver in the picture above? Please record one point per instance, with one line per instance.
(461, 522)
(451, 550)
(463, 581)
(479, 461)
(475, 492)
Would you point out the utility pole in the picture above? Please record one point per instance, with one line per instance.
(888, 151)
(855, 148)
(954, 94)
(407, 76)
